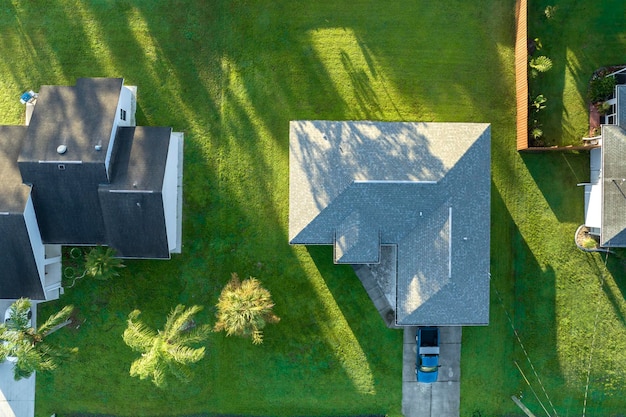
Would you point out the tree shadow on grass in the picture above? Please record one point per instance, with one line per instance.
(557, 175)
(523, 298)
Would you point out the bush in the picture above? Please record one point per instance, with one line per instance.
(600, 88)
(539, 102)
(540, 64)
(589, 243)
(550, 11)
(603, 107)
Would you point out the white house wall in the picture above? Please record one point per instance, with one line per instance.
(172, 191)
(593, 191)
(125, 103)
(39, 251)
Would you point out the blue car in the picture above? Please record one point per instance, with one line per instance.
(427, 363)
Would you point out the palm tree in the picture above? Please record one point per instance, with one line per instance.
(102, 264)
(244, 308)
(26, 346)
(168, 351)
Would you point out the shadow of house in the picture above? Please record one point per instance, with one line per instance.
(81, 173)
(605, 194)
(407, 205)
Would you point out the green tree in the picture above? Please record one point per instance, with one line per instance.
(167, 352)
(102, 264)
(26, 346)
(244, 308)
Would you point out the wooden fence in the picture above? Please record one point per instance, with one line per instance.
(521, 72)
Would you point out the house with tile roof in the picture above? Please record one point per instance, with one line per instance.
(405, 203)
(80, 173)
(605, 193)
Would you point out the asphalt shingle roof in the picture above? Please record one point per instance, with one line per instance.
(424, 187)
(613, 232)
(79, 117)
(13, 193)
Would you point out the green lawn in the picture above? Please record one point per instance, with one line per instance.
(231, 74)
(581, 37)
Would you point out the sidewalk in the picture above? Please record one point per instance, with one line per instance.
(17, 398)
(439, 399)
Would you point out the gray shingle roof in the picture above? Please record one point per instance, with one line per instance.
(13, 193)
(19, 277)
(424, 187)
(613, 231)
(78, 117)
(132, 205)
(138, 162)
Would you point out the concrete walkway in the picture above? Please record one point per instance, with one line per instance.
(439, 399)
(17, 398)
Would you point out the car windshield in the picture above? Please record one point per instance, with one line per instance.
(428, 368)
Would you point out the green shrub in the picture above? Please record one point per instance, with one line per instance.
(540, 64)
(550, 11)
(603, 107)
(600, 88)
(589, 243)
(539, 102)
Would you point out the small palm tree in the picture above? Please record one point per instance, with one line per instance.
(244, 308)
(27, 346)
(99, 263)
(540, 64)
(102, 264)
(168, 351)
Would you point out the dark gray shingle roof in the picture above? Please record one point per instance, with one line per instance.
(424, 187)
(13, 193)
(132, 205)
(19, 276)
(139, 159)
(79, 117)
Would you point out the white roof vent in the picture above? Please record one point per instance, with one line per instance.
(61, 149)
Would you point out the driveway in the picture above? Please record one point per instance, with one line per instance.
(439, 399)
(17, 398)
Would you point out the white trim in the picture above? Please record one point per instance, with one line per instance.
(450, 243)
(132, 191)
(393, 182)
(61, 162)
(616, 72)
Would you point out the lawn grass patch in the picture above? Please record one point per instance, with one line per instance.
(580, 38)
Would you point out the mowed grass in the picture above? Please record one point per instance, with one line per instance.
(580, 38)
(231, 74)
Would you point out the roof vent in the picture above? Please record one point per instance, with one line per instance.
(61, 149)
(98, 147)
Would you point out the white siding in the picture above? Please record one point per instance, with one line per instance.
(124, 103)
(32, 227)
(593, 191)
(172, 192)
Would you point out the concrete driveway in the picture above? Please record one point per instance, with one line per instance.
(439, 399)
(17, 398)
